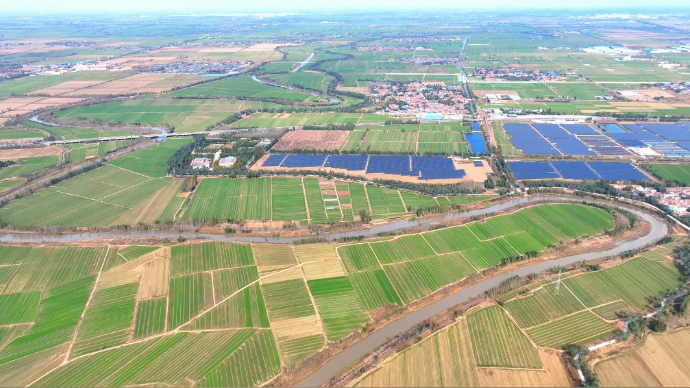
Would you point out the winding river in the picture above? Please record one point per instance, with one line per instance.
(368, 344)
(377, 338)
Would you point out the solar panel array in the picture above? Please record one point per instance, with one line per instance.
(528, 140)
(611, 171)
(602, 145)
(347, 162)
(422, 167)
(274, 160)
(296, 161)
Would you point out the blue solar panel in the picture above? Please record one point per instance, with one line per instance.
(528, 140)
(274, 160)
(614, 128)
(572, 146)
(669, 131)
(617, 171)
(435, 167)
(399, 165)
(304, 161)
(476, 142)
(574, 170)
(684, 144)
(533, 170)
(552, 131)
(347, 162)
(580, 129)
(478, 164)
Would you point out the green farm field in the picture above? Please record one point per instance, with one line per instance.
(185, 115)
(105, 196)
(243, 86)
(283, 199)
(671, 172)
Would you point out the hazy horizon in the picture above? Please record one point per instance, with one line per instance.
(276, 6)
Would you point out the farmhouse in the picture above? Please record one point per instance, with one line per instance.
(198, 163)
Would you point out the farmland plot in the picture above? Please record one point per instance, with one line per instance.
(542, 306)
(287, 199)
(273, 257)
(150, 317)
(231, 199)
(635, 282)
(244, 357)
(107, 320)
(338, 306)
(242, 308)
(577, 329)
(209, 256)
(189, 296)
(497, 341)
(374, 289)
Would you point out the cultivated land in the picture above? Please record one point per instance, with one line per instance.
(244, 86)
(240, 314)
(116, 194)
(671, 172)
(210, 307)
(283, 199)
(660, 361)
(184, 115)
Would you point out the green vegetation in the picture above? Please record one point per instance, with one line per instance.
(150, 317)
(244, 86)
(105, 196)
(575, 329)
(16, 133)
(671, 172)
(542, 306)
(635, 282)
(185, 115)
(27, 166)
(498, 342)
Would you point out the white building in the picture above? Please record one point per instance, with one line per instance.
(199, 163)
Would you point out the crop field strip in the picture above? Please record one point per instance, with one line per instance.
(410, 264)
(293, 199)
(575, 329)
(498, 342)
(99, 197)
(633, 282)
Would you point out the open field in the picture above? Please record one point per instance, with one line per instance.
(184, 115)
(27, 166)
(283, 199)
(305, 80)
(671, 172)
(98, 197)
(635, 282)
(661, 361)
(244, 86)
(447, 359)
(267, 120)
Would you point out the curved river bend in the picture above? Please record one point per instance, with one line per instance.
(379, 337)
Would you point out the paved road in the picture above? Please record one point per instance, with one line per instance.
(381, 336)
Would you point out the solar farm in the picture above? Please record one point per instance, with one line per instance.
(421, 168)
(641, 139)
(576, 170)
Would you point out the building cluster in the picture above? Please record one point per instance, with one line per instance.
(198, 67)
(376, 47)
(676, 87)
(421, 99)
(515, 74)
(421, 40)
(430, 61)
(677, 199)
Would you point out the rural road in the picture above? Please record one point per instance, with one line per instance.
(367, 345)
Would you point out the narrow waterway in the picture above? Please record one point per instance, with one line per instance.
(373, 231)
(367, 345)
(303, 63)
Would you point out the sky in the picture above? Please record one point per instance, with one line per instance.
(236, 6)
